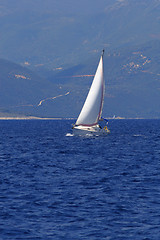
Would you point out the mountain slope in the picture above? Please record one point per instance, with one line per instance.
(60, 34)
(21, 90)
(132, 81)
(61, 42)
(132, 85)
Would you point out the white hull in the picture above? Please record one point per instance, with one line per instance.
(87, 130)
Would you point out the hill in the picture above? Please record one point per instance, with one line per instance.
(132, 81)
(132, 85)
(24, 92)
(52, 50)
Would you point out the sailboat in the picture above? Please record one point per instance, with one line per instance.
(90, 115)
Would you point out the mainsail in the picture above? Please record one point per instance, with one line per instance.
(92, 108)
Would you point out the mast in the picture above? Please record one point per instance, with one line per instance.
(102, 52)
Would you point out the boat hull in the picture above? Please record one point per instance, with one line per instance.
(93, 131)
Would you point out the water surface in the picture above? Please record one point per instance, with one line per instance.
(54, 185)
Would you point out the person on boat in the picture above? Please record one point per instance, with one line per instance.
(106, 123)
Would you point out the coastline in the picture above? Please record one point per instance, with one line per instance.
(34, 118)
(63, 118)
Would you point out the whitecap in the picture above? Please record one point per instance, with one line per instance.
(69, 135)
(138, 135)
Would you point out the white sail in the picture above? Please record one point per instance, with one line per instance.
(92, 109)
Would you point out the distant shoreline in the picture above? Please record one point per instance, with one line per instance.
(58, 118)
(34, 118)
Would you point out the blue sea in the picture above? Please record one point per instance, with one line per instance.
(54, 185)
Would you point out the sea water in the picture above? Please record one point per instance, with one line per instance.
(54, 185)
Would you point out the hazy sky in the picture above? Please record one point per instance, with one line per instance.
(70, 6)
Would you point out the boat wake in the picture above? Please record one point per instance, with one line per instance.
(139, 135)
(69, 135)
(81, 135)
